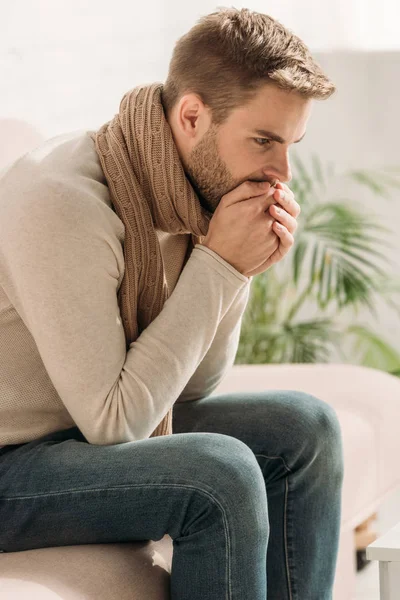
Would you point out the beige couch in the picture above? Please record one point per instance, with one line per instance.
(367, 404)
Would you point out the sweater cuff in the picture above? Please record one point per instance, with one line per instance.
(227, 265)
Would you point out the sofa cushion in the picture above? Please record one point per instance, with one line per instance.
(133, 571)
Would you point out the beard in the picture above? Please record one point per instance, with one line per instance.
(207, 172)
(209, 175)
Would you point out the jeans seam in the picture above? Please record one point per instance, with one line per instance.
(285, 539)
(170, 485)
(280, 458)
(285, 519)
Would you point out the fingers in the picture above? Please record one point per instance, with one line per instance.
(284, 225)
(260, 203)
(285, 196)
(248, 189)
(283, 217)
(286, 239)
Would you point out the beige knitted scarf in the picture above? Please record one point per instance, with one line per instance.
(149, 190)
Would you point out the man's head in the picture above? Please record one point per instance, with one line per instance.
(237, 79)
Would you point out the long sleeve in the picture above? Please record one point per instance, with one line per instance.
(61, 274)
(221, 355)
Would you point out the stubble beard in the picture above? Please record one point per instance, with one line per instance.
(207, 172)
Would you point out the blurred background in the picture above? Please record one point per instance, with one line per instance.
(65, 66)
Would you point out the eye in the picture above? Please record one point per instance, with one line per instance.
(263, 141)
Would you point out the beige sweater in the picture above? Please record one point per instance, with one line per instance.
(62, 344)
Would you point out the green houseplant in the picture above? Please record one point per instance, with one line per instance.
(333, 268)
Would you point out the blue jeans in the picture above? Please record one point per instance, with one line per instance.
(248, 487)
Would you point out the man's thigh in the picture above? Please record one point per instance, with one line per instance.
(61, 490)
(270, 421)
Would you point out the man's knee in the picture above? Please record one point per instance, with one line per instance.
(226, 479)
(225, 465)
(321, 427)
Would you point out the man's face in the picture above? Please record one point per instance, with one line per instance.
(243, 147)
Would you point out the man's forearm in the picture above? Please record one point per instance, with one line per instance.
(221, 355)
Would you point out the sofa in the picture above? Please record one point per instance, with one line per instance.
(366, 403)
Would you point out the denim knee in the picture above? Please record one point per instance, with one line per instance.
(227, 470)
(333, 439)
(321, 427)
(226, 462)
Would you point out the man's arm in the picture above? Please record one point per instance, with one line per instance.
(61, 273)
(221, 355)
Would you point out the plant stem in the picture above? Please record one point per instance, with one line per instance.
(299, 302)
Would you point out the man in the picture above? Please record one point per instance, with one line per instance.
(126, 259)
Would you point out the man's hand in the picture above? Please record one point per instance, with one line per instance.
(284, 214)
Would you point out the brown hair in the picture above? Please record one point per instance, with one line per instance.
(228, 55)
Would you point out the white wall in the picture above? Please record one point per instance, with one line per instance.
(66, 65)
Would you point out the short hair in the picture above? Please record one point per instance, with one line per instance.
(229, 54)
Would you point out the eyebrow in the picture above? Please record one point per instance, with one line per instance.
(275, 137)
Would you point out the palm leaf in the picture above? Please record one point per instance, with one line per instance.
(257, 347)
(303, 185)
(370, 182)
(342, 273)
(308, 341)
(375, 352)
(318, 171)
(388, 288)
(376, 181)
(298, 256)
(303, 177)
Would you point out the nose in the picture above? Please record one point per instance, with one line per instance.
(279, 169)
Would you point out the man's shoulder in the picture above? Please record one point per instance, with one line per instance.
(67, 153)
(61, 175)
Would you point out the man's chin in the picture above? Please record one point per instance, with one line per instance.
(206, 204)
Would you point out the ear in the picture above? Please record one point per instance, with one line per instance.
(192, 116)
